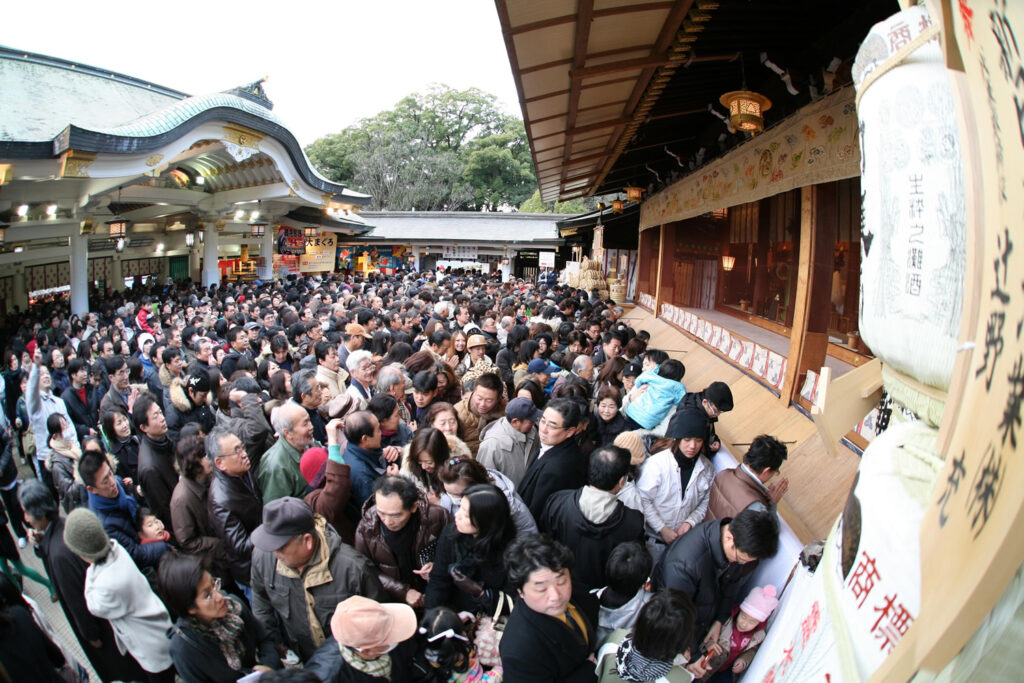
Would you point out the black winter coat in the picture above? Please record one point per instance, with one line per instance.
(198, 658)
(536, 648)
(85, 416)
(441, 588)
(236, 508)
(67, 574)
(157, 476)
(591, 544)
(695, 563)
(561, 467)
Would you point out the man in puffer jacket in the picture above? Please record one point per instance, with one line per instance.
(188, 396)
(398, 532)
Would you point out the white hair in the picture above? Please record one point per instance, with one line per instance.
(355, 358)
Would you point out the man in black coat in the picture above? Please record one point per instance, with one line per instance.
(712, 563)
(560, 464)
(235, 502)
(67, 574)
(157, 476)
(590, 521)
(552, 630)
(82, 399)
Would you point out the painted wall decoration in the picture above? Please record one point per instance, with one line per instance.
(817, 145)
(290, 241)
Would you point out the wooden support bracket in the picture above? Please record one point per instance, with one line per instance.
(843, 402)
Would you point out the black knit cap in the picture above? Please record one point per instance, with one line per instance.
(720, 395)
(688, 424)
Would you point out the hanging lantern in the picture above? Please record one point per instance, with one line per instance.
(309, 231)
(257, 228)
(746, 110)
(728, 263)
(118, 227)
(190, 239)
(634, 194)
(618, 205)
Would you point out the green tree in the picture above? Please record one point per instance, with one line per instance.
(535, 205)
(441, 150)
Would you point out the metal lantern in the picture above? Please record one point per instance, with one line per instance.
(728, 263)
(634, 194)
(618, 205)
(258, 228)
(746, 110)
(118, 227)
(309, 231)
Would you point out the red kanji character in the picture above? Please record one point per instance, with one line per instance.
(787, 658)
(810, 624)
(899, 36)
(770, 676)
(899, 620)
(863, 578)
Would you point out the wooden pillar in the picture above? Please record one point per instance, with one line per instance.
(808, 343)
(760, 295)
(666, 259)
(661, 264)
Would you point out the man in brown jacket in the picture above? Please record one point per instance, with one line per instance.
(399, 532)
(483, 406)
(734, 490)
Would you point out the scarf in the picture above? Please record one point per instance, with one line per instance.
(123, 504)
(633, 666)
(597, 505)
(227, 632)
(378, 668)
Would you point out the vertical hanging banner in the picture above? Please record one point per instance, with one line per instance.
(320, 253)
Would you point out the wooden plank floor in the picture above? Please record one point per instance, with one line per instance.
(818, 483)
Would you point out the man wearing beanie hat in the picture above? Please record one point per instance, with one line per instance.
(372, 641)
(301, 570)
(117, 591)
(714, 400)
(744, 632)
(674, 484)
(188, 403)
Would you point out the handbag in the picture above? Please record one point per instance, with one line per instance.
(489, 629)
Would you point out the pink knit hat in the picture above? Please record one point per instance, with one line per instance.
(760, 603)
(311, 462)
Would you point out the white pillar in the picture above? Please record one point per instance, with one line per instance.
(266, 271)
(79, 273)
(117, 272)
(416, 257)
(19, 296)
(211, 238)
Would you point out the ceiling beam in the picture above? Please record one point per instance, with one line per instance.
(600, 125)
(658, 59)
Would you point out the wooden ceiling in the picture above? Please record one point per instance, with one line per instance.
(615, 93)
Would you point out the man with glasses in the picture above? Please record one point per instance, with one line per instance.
(120, 398)
(713, 564)
(560, 464)
(234, 499)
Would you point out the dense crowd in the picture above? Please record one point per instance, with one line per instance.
(408, 478)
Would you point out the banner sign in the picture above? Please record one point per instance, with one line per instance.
(460, 253)
(547, 259)
(290, 241)
(320, 253)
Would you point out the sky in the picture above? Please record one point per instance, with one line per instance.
(328, 64)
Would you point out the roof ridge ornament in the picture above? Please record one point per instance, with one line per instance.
(253, 92)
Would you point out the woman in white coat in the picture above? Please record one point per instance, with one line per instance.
(117, 591)
(675, 483)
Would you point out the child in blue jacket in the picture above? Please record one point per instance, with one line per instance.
(664, 390)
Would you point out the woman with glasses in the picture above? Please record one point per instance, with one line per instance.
(215, 638)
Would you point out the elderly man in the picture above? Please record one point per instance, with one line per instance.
(41, 404)
(508, 444)
(328, 369)
(279, 473)
(361, 370)
(365, 457)
(560, 464)
(590, 521)
(301, 570)
(552, 631)
(234, 502)
(582, 367)
(391, 380)
(480, 408)
(307, 393)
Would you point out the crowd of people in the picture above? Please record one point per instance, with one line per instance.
(413, 477)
